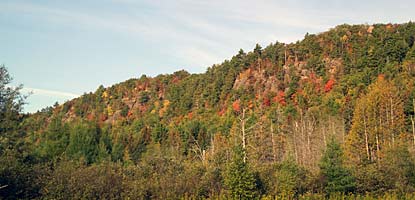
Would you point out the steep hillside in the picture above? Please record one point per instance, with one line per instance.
(282, 104)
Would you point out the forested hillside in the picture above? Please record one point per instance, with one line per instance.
(329, 116)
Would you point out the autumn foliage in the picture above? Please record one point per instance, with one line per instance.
(262, 125)
(329, 85)
(280, 98)
(236, 106)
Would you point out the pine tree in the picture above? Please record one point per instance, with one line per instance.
(239, 180)
(290, 179)
(83, 143)
(336, 177)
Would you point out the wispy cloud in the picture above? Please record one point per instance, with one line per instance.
(50, 93)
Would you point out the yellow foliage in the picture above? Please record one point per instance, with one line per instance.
(109, 110)
(344, 38)
(166, 103)
(156, 104)
(377, 122)
(105, 94)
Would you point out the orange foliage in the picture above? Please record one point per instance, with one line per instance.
(90, 116)
(257, 96)
(250, 105)
(381, 77)
(236, 106)
(280, 98)
(312, 76)
(222, 112)
(329, 85)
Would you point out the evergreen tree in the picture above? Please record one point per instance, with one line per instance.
(290, 179)
(83, 143)
(336, 177)
(258, 50)
(11, 105)
(239, 179)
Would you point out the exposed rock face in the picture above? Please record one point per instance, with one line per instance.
(263, 76)
(259, 76)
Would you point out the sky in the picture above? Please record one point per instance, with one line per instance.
(60, 49)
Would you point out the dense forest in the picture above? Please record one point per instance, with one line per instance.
(330, 116)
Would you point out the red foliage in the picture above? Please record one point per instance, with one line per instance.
(266, 101)
(222, 112)
(103, 117)
(236, 106)
(329, 85)
(280, 98)
(313, 76)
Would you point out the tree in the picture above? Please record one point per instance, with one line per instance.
(409, 62)
(11, 105)
(258, 50)
(290, 179)
(159, 133)
(73, 180)
(55, 139)
(17, 176)
(377, 122)
(399, 168)
(239, 179)
(83, 142)
(336, 178)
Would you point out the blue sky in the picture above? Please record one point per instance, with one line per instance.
(61, 49)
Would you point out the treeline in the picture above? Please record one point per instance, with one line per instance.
(331, 116)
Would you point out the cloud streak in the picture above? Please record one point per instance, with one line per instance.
(49, 93)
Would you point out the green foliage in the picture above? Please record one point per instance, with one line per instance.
(83, 143)
(17, 175)
(55, 140)
(159, 133)
(336, 178)
(291, 179)
(144, 97)
(239, 180)
(399, 169)
(11, 104)
(72, 180)
(371, 179)
(18, 179)
(171, 136)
